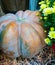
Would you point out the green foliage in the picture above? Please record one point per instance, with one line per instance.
(49, 21)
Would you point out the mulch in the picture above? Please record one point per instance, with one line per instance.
(42, 57)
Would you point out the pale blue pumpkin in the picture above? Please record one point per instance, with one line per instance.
(21, 34)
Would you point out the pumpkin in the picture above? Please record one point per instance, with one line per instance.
(21, 34)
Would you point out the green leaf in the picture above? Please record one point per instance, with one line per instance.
(49, 44)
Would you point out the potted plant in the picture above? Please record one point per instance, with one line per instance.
(47, 9)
